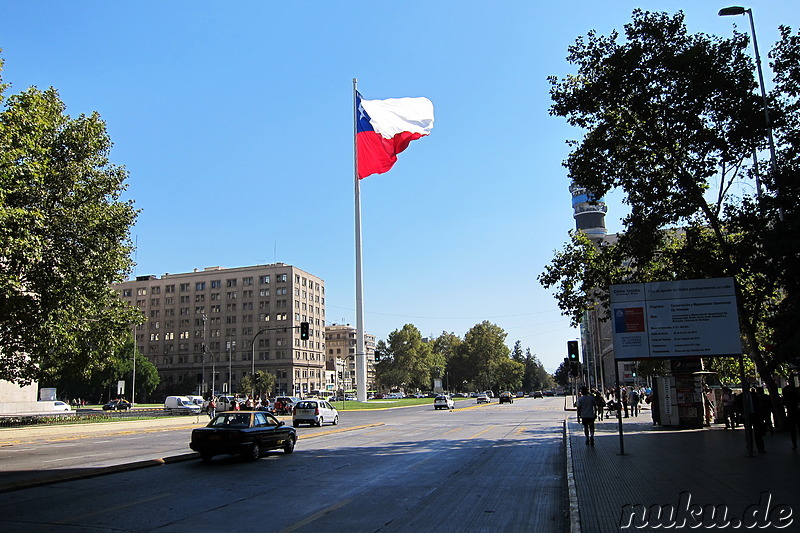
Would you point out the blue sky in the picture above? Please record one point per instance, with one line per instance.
(234, 120)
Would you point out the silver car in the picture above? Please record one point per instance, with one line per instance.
(314, 412)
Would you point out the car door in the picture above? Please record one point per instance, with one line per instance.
(268, 429)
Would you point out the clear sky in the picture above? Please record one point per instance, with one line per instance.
(235, 122)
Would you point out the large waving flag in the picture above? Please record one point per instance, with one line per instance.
(384, 128)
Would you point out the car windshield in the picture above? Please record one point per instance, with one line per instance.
(307, 405)
(231, 420)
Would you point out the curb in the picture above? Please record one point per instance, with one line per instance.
(572, 491)
(85, 473)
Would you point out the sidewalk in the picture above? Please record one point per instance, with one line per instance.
(687, 469)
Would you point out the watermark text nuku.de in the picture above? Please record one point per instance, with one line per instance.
(686, 514)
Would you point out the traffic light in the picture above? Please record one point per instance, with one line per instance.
(572, 351)
(304, 331)
(635, 369)
(575, 368)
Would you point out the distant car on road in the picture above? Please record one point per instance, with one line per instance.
(314, 412)
(482, 398)
(443, 401)
(506, 397)
(117, 405)
(537, 394)
(248, 433)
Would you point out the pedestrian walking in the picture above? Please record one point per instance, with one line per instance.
(599, 403)
(634, 401)
(728, 408)
(587, 412)
(624, 400)
(212, 408)
(790, 402)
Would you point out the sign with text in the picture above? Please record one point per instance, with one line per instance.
(690, 318)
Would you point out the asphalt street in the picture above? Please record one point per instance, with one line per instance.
(484, 468)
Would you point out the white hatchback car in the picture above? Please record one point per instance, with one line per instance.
(443, 401)
(314, 412)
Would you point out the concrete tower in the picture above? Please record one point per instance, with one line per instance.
(590, 216)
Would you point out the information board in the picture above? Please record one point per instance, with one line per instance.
(690, 318)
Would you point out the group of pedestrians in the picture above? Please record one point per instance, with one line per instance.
(758, 405)
(249, 403)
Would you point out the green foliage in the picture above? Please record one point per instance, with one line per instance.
(64, 239)
(259, 384)
(406, 360)
(672, 120)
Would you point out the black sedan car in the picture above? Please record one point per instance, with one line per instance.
(248, 433)
(117, 405)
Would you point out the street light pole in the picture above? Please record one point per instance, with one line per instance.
(738, 10)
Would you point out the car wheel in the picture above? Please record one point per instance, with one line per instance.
(255, 452)
(296, 424)
(319, 422)
(206, 456)
(336, 420)
(288, 446)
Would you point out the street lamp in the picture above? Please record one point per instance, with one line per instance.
(738, 10)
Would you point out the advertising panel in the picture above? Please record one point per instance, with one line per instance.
(689, 318)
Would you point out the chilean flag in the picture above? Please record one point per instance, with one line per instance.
(384, 128)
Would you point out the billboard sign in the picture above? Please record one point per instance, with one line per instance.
(689, 318)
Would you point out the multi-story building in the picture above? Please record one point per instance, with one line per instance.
(340, 342)
(206, 330)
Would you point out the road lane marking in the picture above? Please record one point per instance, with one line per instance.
(106, 510)
(315, 516)
(478, 434)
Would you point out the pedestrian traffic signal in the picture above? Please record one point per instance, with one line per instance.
(634, 369)
(572, 351)
(304, 331)
(574, 369)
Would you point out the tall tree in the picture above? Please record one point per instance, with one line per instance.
(446, 347)
(406, 360)
(64, 238)
(671, 119)
(483, 349)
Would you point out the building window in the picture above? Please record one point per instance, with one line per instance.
(185, 299)
(247, 281)
(184, 287)
(169, 300)
(230, 282)
(200, 309)
(155, 290)
(247, 306)
(169, 288)
(154, 313)
(216, 284)
(216, 296)
(127, 293)
(216, 309)
(263, 292)
(231, 295)
(281, 278)
(230, 307)
(200, 286)
(141, 291)
(199, 298)
(263, 280)
(280, 316)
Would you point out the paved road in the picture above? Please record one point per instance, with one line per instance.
(489, 468)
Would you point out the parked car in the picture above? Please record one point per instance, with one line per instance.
(537, 394)
(443, 402)
(314, 412)
(116, 405)
(520, 394)
(394, 396)
(506, 397)
(482, 398)
(248, 433)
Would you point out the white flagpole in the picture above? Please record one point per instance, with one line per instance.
(361, 355)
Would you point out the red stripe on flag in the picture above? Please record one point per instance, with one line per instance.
(376, 154)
